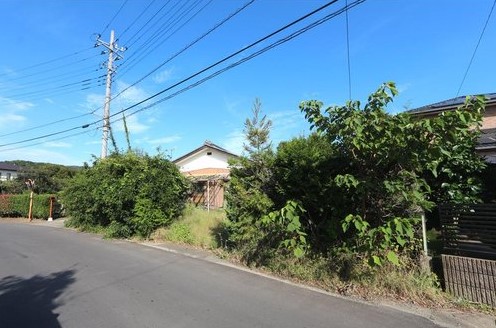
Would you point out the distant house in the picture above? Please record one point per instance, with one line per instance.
(207, 167)
(8, 171)
(487, 142)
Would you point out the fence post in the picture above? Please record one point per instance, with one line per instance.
(424, 233)
(30, 214)
(50, 217)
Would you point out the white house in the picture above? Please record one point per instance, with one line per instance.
(208, 168)
(8, 171)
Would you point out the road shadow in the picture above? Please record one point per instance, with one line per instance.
(30, 302)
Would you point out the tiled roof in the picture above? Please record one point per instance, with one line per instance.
(9, 167)
(206, 144)
(450, 103)
(487, 139)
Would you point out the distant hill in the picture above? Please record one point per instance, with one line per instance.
(28, 165)
(48, 177)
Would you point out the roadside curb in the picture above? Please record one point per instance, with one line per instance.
(447, 318)
(441, 317)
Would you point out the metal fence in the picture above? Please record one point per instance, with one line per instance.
(469, 230)
(469, 251)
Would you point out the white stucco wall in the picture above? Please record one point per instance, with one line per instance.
(202, 160)
(4, 175)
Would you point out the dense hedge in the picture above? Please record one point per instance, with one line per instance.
(18, 205)
(126, 193)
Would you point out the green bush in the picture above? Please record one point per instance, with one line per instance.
(18, 206)
(180, 232)
(128, 193)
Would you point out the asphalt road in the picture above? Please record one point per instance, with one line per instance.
(53, 277)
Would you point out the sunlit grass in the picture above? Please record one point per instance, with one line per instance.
(197, 227)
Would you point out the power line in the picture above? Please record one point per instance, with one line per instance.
(48, 61)
(47, 124)
(45, 136)
(51, 140)
(53, 69)
(51, 79)
(271, 46)
(243, 60)
(79, 84)
(129, 43)
(216, 26)
(160, 32)
(115, 15)
(219, 24)
(136, 19)
(348, 52)
(476, 47)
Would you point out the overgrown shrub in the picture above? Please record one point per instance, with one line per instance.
(128, 193)
(377, 169)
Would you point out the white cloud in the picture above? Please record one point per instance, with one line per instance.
(7, 119)
(234, 141)
(163, 140)
(133, 125)
(403, 87)
(41, 155)
(163, 76)
(57, 144)
(15, 105)
(11, 109)
(130, 94)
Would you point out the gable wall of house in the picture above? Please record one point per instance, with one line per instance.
(7, 175)
(202, 160)
(489, 121)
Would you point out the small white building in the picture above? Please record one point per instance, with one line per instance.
(8, 171)
(208, 168)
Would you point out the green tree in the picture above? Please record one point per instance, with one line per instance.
(396, 166)
(304, 169)
(129, 193)
(49, 178)
(251, 179)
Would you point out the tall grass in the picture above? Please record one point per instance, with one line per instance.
(197, 227)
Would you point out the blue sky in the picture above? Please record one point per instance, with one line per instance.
(424, 46)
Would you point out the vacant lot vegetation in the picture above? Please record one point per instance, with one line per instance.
(338, 209)
(196, 227)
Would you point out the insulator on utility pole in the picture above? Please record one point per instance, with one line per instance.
(113, 54)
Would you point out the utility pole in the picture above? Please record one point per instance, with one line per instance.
(113, 54)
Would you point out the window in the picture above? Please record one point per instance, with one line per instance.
(209, 153)
(8, 176)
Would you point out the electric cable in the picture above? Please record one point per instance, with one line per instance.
(142, 47)
(51, 140)
(53, 69)
(129, 43)
(348, 52)
(263, 50)
(476, 47)
(216, 26)
(113, 18)
(48, 124)
(158, 44)
(271, 46)
(136, 19)
(48, 61)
